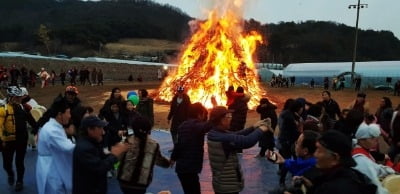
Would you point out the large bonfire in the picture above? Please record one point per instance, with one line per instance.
(216, 56)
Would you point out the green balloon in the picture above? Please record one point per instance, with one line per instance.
(134, 99)
(116, 165)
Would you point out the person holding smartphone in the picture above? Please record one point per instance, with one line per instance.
(304, 149)
(303, 164)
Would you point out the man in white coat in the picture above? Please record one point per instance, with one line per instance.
(54, 164)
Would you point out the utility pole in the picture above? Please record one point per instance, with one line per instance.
(353, 64)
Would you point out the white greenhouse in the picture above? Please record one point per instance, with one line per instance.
(372, 73)
(267, 70)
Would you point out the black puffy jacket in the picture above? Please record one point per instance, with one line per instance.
(178, 112)
(188, 152)
(90, 166)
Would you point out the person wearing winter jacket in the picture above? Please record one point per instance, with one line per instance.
(90, 163)
(267, 110)
(145, 106)
(135, 172)
(178, 111)
(14, 135)
(367, 139)
(240, 108)
(223, 145)
(188, 152)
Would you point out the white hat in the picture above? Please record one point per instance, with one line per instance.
(24, 91)
(368, 131)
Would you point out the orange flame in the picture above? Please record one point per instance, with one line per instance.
(217, 56)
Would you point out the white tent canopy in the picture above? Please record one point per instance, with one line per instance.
(365, 69)
(267, 74)
(372, 73)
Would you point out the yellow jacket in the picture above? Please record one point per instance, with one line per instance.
(7, 123)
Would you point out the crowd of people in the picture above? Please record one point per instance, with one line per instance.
(76, 149)
(358, 131)
(280, 81)
(319, 144)
(28, 78)
(335, 83)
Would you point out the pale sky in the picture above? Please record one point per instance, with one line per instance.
(380, 14)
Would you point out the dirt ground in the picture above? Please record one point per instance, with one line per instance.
(95, 96)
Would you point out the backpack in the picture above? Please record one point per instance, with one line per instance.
(5, 118)
(3, 104)
(365, 184)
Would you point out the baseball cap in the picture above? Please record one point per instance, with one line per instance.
(365, 131)
(339, 143)
(92, 121)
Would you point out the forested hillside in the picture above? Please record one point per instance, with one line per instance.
(51, 27)
(91, 24)
(313, 41)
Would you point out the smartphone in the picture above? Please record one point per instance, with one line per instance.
(271, 156)
(130, 131)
